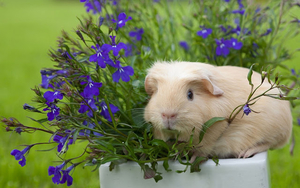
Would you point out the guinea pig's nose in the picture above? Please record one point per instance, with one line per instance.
(169, 119)
(168, 115)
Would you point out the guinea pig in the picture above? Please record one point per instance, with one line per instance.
(184, 95)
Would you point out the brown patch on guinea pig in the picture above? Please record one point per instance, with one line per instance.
(185, 95)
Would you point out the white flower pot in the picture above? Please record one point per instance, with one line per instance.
(230, 173)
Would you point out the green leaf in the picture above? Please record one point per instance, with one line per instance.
(249, 77)
(195, 167)
(166, 165)
(161, 143)
(157, 178)
(215, 159)
(111, 166)
(208, 124)
(75, 135)
(40, 121)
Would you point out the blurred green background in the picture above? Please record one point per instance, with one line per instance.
(28, 29)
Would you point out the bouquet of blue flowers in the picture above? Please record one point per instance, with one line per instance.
(95, 91)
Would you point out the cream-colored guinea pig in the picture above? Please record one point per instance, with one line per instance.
(185, 95)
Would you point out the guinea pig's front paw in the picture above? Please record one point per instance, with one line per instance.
(252, 151)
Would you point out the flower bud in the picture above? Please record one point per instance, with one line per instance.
(80, 35)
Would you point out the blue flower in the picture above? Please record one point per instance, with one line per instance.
(298, 121)
(56, 171)
(105, 112)
(204, 32)
(293, 72)
(235, 44)
(246, 109)
(20, 155)
(237, 30)
(241, 11)
(66, 176)
(96, 7)
(128, 50)
(240, 4)
(50, 96)
(116, 47)
(87, 132)
(122, 72)
(45, 80)
(121, 20)
(114, 2)
(92, 88)
(66, 55)
(101, 56)
(86, 107)
(223, 47)
(267, 32)
(30, 108)
(184, 45)
(61, 142)
(54, 111)
(137, 33)
(18, 130)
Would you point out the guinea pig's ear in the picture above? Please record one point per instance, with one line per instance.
(150, 85)
(211, 87)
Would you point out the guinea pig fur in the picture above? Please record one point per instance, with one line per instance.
(184, 95)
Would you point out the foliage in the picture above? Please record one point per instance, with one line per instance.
(85, 99)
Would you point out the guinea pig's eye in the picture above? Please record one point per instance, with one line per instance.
(190, 95)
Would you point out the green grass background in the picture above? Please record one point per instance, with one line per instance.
(27, 31)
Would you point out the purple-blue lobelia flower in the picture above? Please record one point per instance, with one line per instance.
(137, 33)
(50, 96)
(54, 111)
(114, 2)
(18, 130)
(240, 4)
(45, 80)
(122, 72)
(104, 110)
(239, 11)
(237, 31)
(88, 105)
(184, 45)
(20, 155)
(121, 20)
(116, 47)
(223, 47)
(204, 32)
(92, 88)
(62, 141)
(56, 171)
(95, 6)
(235, 44)
(87, 132)
(66, 176)
(267, 32)
(129, 49)
(246, 109)
(101, 56)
